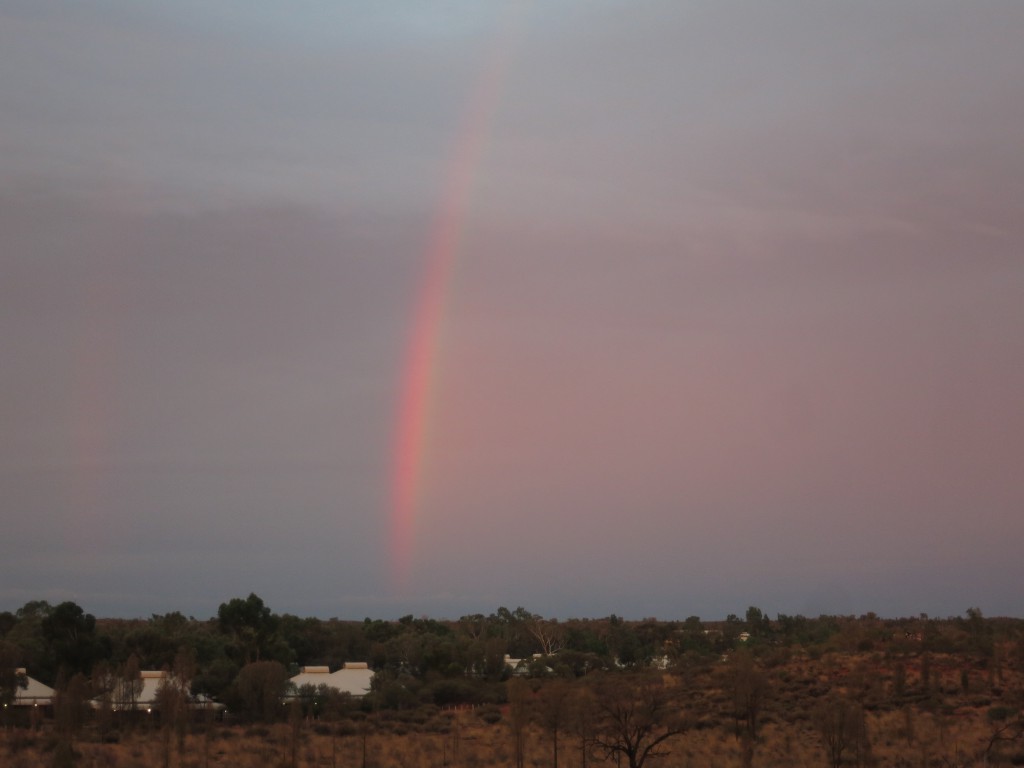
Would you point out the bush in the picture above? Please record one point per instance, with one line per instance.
(422, 714)
(490, 715)
(998, 714)
(438, 725)
(21, 740)
(64, 755)
(347, 728)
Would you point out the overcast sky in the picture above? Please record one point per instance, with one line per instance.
(735, 314)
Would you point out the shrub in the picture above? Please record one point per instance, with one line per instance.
(439, 725)
(347, 728)
(490, 715)
(998, 714)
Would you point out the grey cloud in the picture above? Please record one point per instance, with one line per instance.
(738, 292)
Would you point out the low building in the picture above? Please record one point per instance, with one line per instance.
(526, 667)
(34, 694)
(354, 678)
(30, 704)
(152, 679)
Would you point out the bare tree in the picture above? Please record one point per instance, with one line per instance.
(519, 695)
(637, 716)
(749, 687)
(1003, 730)
(260, 686)
(842, 725)
(71, 707)
(128, 687)
(172, 700)
(553, 712)
(474, 626)
(547, 632)
(582, 718)
(104, 682)
(295, 731)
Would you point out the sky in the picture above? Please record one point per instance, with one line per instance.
(653, 308)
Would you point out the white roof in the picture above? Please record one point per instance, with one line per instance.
(35, 693)
(354, 678)
(152, 679)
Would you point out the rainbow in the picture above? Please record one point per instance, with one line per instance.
(94, 370)
(422, 353)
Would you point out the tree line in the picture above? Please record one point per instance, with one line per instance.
(418, 660)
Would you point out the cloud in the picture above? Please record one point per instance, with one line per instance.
(736, 302)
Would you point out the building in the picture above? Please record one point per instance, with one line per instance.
(35, 694)
(152, 679)
(354, 678)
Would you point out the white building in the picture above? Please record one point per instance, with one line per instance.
(152, 679)
(354, 678)
(34, 695)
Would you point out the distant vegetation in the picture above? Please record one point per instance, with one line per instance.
(514, 688)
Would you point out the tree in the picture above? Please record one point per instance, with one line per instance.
(11, 678)
(322, 702)
(71, 706)
(172, 700)
(926, 674)
(749, 687)
(582, 716)
(259, 688)
(519, 695)
(128, 686)
(625, 643)
(981, 640)
(295, 731)
(548, 633)
(899, 681)
(104, 683)
(553, 712)
(70, 634)
(473, 626)
(636, 717)
(841, 723)
(510, 626)
(757, 623)
(1003, 729)
(26, 635)
(168, 703)
(250, 624)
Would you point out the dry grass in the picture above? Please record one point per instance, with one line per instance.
(936, 740)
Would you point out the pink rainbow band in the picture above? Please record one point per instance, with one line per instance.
(422, 352)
